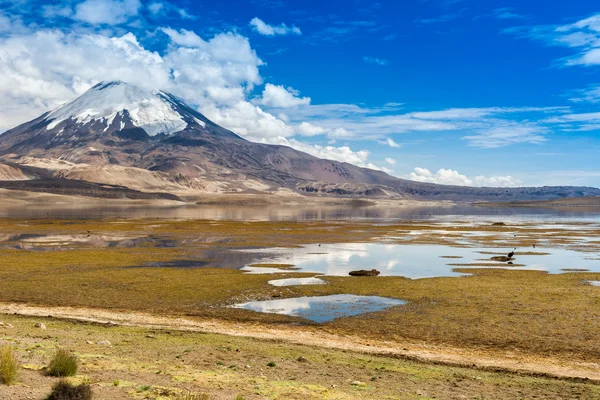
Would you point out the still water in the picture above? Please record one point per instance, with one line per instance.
(322, 308)
(304, 213)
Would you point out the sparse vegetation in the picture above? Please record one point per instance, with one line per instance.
(192, 396)
(63, 364)
(64, 390)
(9, 366)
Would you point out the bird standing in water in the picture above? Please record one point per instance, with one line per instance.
(511, 254)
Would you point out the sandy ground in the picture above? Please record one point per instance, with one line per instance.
(484, 360)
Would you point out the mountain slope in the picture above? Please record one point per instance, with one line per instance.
(120, 134)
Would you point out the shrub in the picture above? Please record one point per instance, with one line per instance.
(63, 364)
(63, 390)
(271, 364)
(9, 366)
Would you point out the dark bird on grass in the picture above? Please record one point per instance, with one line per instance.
(511, 254)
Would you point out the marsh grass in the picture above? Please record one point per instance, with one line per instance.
(9, 365)
(63, 364)
(64, 390)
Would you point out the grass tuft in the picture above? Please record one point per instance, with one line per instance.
(63, 390)
(9, 366)
(191, 396)
(63, 364)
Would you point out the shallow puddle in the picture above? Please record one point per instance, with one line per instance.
(593, 283)
(324, 308)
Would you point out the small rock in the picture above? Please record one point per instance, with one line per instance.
(40, 326)
(9, 325)
(150, 336)
(89, 342)
(302, 359)
(358, 384)
(364, 272)
(104, 343)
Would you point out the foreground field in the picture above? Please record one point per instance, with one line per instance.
(143, 363)
(509, 320)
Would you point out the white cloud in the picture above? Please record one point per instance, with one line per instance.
(341, 154)
(582, 35)
(271, 30)
(375, 60)
(109, 12)
(390, 142)
(452, 177)
(308, 129)
(507, 135)
(390, 160)
(280, 97)
(43, 69)
(248, 120)
(161, 9)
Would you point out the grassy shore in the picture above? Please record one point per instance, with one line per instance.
(525, 312)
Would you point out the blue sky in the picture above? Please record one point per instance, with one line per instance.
(447, 91)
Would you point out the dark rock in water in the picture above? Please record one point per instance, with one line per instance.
(501, 258)
(364, 272)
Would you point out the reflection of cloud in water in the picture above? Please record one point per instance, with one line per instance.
(413, 261)
(324, 308)
(297, 282)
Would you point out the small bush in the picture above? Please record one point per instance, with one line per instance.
(271, 364)
(9, 366)
(63, 364)
(63, 390)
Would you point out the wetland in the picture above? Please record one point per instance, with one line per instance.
(287, 279)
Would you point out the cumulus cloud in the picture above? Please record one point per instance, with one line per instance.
(452, 177)
(390, 160)
(308, 129)
(281, 97)
(272, 30)
(341, 154)
(45, 68)
(109, 12)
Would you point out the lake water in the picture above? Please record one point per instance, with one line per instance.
(305, 213)
(415, 261)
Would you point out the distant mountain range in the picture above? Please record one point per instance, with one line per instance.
(150, 141)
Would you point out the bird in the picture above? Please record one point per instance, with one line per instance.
(511, 254)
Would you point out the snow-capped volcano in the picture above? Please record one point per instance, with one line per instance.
(117, 133)
(155, 112)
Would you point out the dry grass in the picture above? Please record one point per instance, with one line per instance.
(9, 365)
(212, 364)
(64, 390)
(511, 310)
(63, 364)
